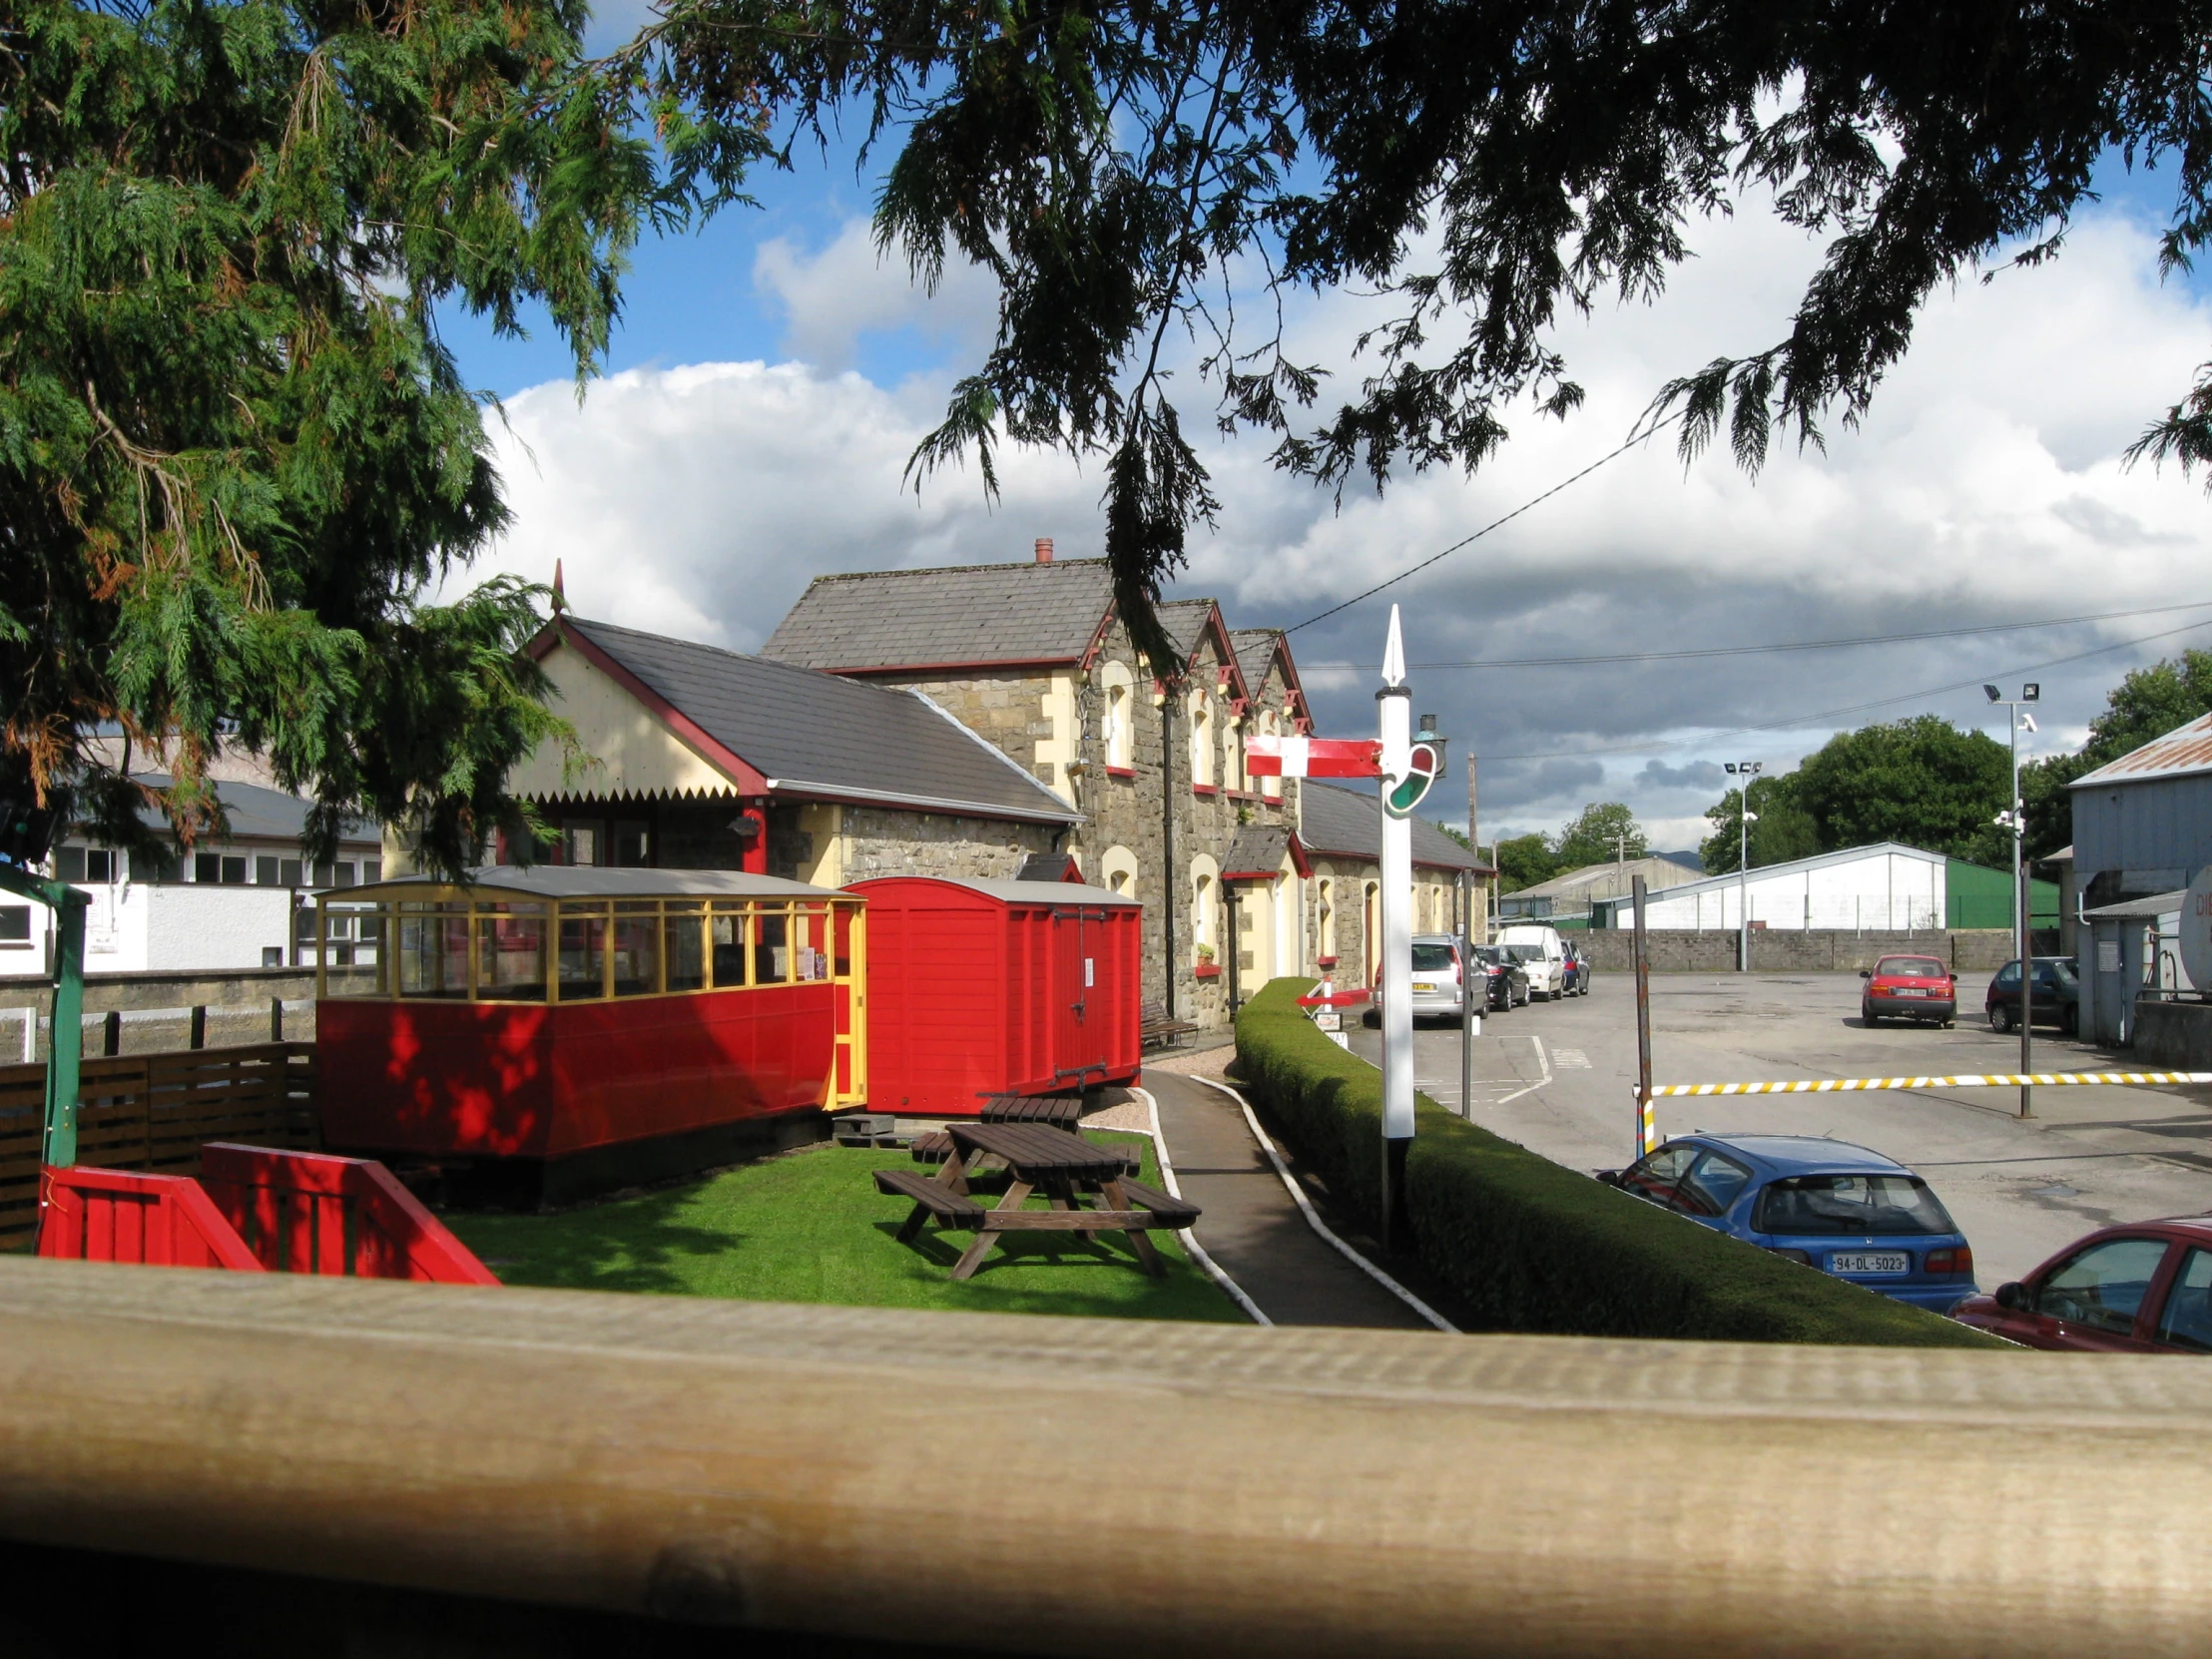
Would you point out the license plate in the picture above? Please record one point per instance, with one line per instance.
(1424, 986)
(1869, 1261)
(1907, 991)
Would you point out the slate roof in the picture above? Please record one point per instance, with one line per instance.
(1346, 824)
(2184, 749)
(818, 735)
(957, 615)
(1185, 621)
(1256, 848)
(255, 814)
(1254, 648)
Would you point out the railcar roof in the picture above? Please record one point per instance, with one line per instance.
(590, 882)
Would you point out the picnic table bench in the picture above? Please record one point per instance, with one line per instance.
(1060, 1111)
(1065, 1168)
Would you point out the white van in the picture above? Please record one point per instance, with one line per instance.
(1537, 948)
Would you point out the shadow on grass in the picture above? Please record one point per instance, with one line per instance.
(635, 1245)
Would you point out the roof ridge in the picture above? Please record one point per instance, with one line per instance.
(721, 650)
(944, 570)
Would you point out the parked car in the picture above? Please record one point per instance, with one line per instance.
(1908, 987)
(1578, 970)
(2053, 995)
(1508, 981)
(1538, 949)
(2143, 1288)
(1438, 976)
(1842, 1209)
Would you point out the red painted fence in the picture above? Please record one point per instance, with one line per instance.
(114, 1215)
(257, 1210)
(308, 1212)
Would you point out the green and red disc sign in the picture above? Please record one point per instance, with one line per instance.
(1423, 764)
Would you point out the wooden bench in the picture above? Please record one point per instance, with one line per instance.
(937, 1146)
(1177, 1213)
(1061, 1111)
(932, 1198)
(1156, 1030)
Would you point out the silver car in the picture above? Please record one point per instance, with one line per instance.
(1438, 976)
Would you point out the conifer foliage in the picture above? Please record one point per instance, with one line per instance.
(235, 459)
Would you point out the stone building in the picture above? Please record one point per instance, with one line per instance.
(1035, 659)
(694, 757)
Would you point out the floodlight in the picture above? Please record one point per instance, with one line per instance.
(1731, 766)
(2031, 693)
(1995, 696)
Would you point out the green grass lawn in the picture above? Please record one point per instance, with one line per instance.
(811, 1227)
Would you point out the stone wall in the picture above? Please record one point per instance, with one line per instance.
(1775, 950)
(880, 840)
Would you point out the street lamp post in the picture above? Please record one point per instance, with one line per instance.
(1745, 819)
(2014, 819)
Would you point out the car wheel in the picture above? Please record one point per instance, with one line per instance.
(2069, 1022)
(2000, 1019)
(1865, 1016)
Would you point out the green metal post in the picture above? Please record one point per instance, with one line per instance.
(68, 904)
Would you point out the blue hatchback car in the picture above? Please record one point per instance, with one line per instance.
(1826, 1203)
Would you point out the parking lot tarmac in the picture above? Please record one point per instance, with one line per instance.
(1560, 1078)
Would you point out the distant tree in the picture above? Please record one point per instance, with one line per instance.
(1920, 781)
(1594, 837)
(1781, 830)
(2147, 704)
(1524, 861)
(1460, 835)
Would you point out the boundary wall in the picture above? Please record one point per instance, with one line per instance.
(1793, 950)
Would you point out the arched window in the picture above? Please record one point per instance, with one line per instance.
(1118, 723)
(1232, 773)
(1325, 915)
(1205, 905)
(1202, 739)
(1119, 870)
(1269, 726)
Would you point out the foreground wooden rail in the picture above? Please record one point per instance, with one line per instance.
(907, 1477)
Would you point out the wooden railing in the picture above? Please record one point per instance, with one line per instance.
(1114, 1486)
(154, 1112)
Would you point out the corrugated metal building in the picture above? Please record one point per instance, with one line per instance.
(2142, 831)
(1885, 887)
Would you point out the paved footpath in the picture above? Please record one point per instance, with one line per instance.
(1252, 1227)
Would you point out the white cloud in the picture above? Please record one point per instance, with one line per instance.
(699, 501)
(1985, 487)
(832, 297)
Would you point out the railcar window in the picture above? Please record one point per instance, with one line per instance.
(583, 958)
(510, 955)
(683, 948)
(727, 932)
(637, 946)
(771, 957)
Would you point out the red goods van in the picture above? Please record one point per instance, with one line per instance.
(565, 1029)
(982, 988)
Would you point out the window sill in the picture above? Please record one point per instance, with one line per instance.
(1325, 961)
(1128, 775)
(1207, 790)
(1206, 970)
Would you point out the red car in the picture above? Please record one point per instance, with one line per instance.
(2145, 1288)
(1908, 987)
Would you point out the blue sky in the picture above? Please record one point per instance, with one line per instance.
(770, 380)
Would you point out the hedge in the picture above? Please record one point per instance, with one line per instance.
(1536, 1247)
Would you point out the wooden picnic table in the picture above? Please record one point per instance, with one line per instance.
(1065, 1168)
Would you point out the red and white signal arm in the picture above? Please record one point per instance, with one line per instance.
(1278, 756)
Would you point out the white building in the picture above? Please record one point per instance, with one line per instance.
(237, 903)
(1885, 888)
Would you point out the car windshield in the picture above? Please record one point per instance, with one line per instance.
(1432, 958)
(1911, 967)
(1833, 1204)
(2060, 965)
(1525, 952)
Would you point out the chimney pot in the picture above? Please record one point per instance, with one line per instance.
(1044, 550)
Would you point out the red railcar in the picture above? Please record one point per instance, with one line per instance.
(982, 988)
(587, 1028)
